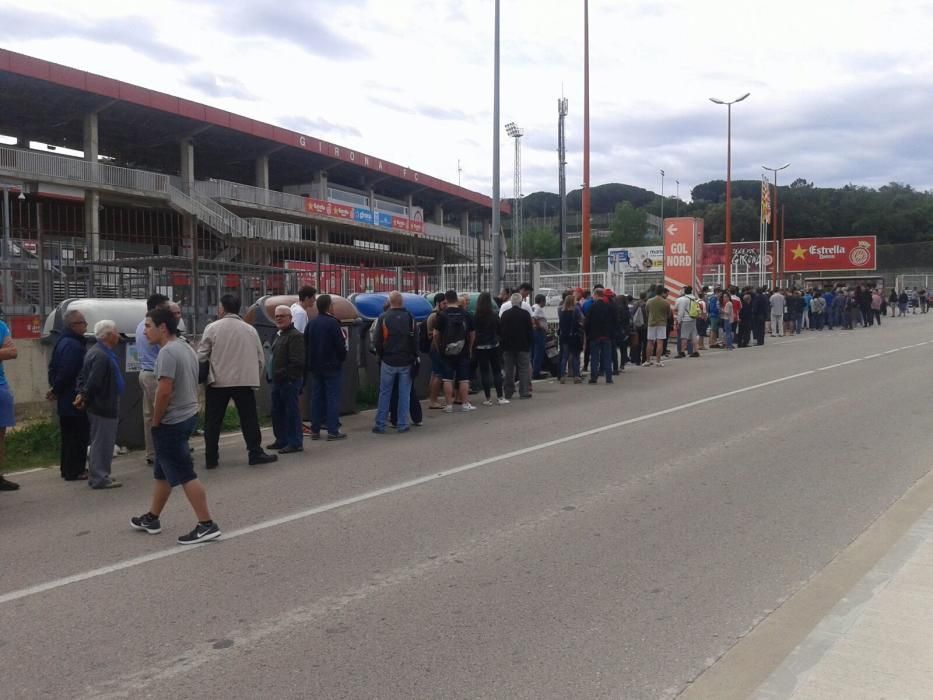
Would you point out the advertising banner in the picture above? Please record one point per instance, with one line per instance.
(636, 259)
(683, 245)
(839, 254)
(319, 207)
(746, 256)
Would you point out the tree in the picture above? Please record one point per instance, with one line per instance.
(629, 226)
(539, 243)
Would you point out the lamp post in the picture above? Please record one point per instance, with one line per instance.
(774, 225)
(661, 228)
(728, 251)
(516, 132)
(585, 204)
(496, 282)
(7, 250)
(677, 197)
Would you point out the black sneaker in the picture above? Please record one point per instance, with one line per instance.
(201, 533)
(147, 523)
(262, 458)
(335, 436)
(8, 485)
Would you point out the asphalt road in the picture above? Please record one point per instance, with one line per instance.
(607, 541)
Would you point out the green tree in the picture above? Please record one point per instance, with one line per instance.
(538, 243)
(629, 226)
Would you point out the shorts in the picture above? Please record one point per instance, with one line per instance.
(456, 369)
(714, 325)
(688, 330)
(173, 461)
(657, 332)
(438, 366)
(7, 416)
(702, 325)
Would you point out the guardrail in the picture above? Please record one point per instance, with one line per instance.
(216, 221)
(275, 230)
(247, 194)
(35, 165)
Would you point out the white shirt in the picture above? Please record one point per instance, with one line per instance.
(299, 317)
(508, 305)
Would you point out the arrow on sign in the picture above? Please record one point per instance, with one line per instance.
(672, 230)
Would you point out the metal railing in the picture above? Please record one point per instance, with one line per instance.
(35, 165)
(247, 194)
(275, 230)
(223, 221)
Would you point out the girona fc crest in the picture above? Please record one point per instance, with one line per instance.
(860, 255)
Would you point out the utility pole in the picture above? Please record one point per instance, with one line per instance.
(562, 177)
(497, 277)
(585, 199)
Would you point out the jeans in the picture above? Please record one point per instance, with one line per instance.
(414, 405)
(216, 400)
(600, 359)
(103, 438)
(286, 415)
(387, 376)
(569, 360)
(490, 370)
(75, 438)
(512, 360)
(726, 326)
(537, 352)
(325, 400)
(798, 323)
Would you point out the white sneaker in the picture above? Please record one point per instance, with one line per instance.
(503, 401)
(660, 364)
(448, 408)
(487, 402)
(467, 406)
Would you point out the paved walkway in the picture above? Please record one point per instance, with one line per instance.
(877, 641)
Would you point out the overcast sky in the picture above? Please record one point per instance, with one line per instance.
(841, 90)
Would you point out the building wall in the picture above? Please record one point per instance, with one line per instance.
(28, 379)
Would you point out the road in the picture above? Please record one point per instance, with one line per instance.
(597, 542)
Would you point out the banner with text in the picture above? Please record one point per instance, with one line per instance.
(746, 257)
(637, 259)
(683, 246)
(839, 254)
(362, 216)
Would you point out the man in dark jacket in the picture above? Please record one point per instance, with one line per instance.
(64, 367)
(599, 323)
(100, 386)
(325, 351)
(286, 377)
(623, 328)
(516, 340)
(394, 338)
(761, 309)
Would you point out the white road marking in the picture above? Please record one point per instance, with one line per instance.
(839, 364)
(872, 357)
(888, 352)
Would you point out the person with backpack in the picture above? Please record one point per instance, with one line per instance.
(486, 350)
(638, 348)
(570, 334)
(395, 346)
(686, 313)
(454, 336)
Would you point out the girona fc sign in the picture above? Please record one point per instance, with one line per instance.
(839, 254)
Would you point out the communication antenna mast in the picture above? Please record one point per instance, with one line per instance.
(562, 176)
(516, 132)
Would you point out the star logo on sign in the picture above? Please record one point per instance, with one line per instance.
(799, 252)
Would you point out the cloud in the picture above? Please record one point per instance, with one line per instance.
(301, 24)
(311, 126)
(135, 33)
(214, 85)
(424, 110)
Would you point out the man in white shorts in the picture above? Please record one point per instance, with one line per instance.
(658, 310)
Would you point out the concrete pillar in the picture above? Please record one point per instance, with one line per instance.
(465, 224)
(189, 228)
(324, 237)
(187, 164)
(487, 230)
(320, 180)
(262, 172)
(410, 203)
(439, 215)
(91, 197)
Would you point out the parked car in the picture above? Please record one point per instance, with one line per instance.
(552, 295)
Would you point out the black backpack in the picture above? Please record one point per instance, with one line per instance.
(424, 338)
(455, 333)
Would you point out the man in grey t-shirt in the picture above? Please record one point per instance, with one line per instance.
(173, 417)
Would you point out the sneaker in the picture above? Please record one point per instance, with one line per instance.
(210, 465)
(487, 402)
(146, 522)
(417, 423)
(660, 364)
(262, 458)
(275, 446)
(379, 431)
(110, 484)
(502, 401)
(694, 354)
(406, 429)
(336, 436)
(306, 429)
(8, 485)
(448, 409)
(201, 533)
(578, 380)
(288, 449)
(315, 436)
(467, 406)
(681, 355)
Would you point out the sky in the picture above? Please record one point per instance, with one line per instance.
(843, 91)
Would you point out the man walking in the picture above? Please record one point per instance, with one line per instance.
(234, 352)
(147, 354)
(64, 368)
(7, 418)
(598, 324)
(286, 378)
(173, 418)
(516, 340)
(325, 352)
(658, 310)
(395, 346)
(99, 388)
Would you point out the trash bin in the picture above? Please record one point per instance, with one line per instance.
(261, 315)
(370, 306)
(472, 305)
(126, 313)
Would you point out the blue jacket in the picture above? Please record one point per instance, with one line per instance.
(64, 367)
(325, 349)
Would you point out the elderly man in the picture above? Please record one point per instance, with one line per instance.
(64, 368)
(395, 346)
(100, 386)
(286, 378)
(232, 348)
(516, 341)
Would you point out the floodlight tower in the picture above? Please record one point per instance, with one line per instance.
(562, 176)
(516, 132)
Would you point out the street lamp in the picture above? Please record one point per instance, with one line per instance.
(774, 225)
(677, 197)
(516, 132)
(661, 227)
(497, 275)
(728, 256)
